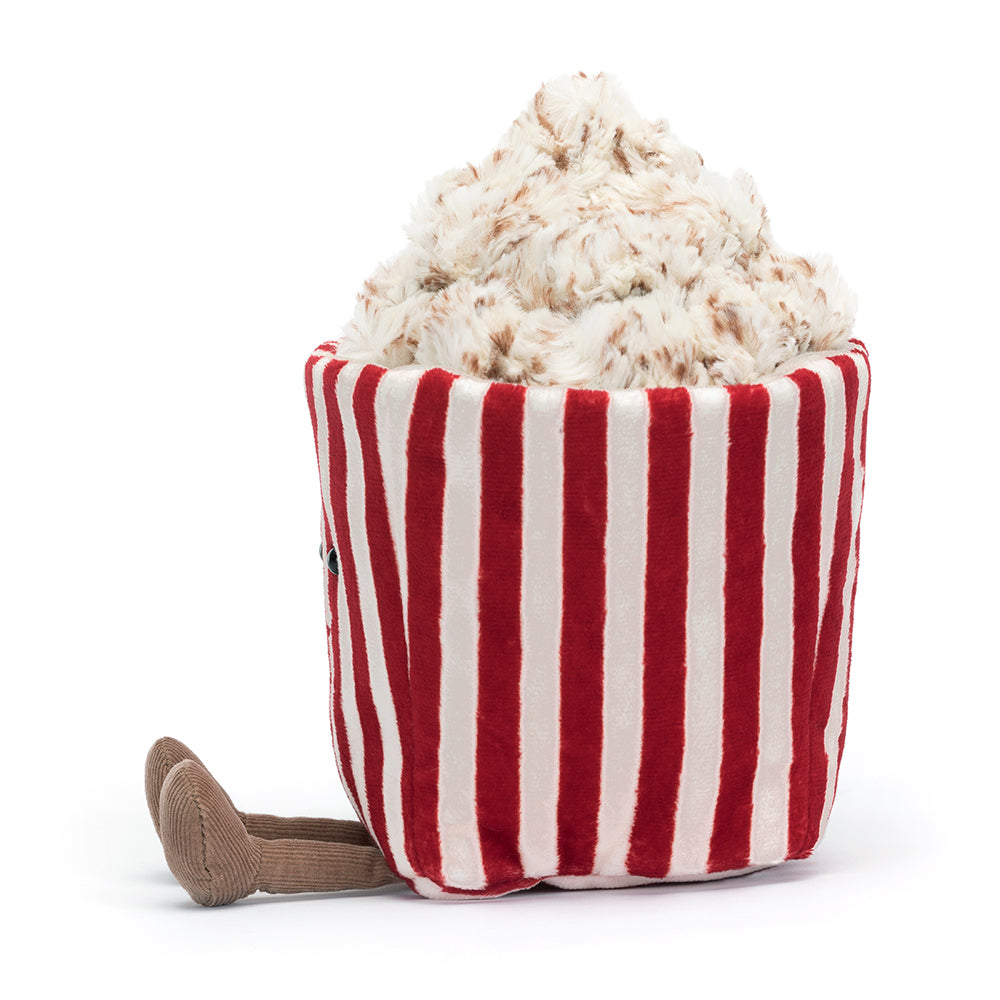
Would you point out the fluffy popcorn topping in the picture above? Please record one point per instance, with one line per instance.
(592, 249)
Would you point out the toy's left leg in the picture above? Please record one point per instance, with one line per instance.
(217, 861)
(166, 752)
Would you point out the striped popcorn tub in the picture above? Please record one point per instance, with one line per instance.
(590, 638)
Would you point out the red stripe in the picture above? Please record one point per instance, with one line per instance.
(385, 572)
(338, 737)
(342, 744)
(338, 731)
(499, 709)
(424, 512)
(664, 631)
(585, 518)
(805, 568)
(370, 732)
(495, 889)
(744, 616)
(828, 647)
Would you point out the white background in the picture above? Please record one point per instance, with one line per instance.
(191, 196)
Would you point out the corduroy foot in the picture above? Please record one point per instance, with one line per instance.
(162, 756)
(208, 849)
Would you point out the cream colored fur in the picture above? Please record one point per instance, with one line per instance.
(593, 249)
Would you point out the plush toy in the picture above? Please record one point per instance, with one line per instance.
(591, 455)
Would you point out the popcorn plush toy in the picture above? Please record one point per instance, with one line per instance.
(591, 455)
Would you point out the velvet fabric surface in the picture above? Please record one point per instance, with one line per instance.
(589, 637)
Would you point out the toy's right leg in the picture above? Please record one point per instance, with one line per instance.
(217, 861)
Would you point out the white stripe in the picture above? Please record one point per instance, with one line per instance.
(769, 828)
(378, 676)
(461, 856)
(835, 722)
(859, 468)
(833, 442)
(393, 406)
(625, 559)
(541, 629)
(352, 721)
(699, 783)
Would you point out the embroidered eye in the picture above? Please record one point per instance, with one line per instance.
(330, 560)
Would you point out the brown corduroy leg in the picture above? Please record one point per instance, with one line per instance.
(338, 831)
(311, 866)
(217, 861)
(166, 752)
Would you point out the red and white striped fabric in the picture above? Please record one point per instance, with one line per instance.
(583, 637)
